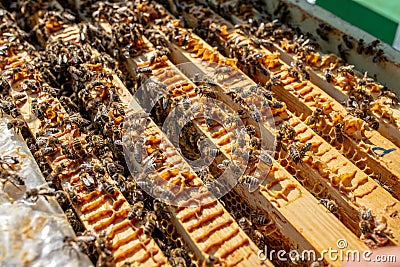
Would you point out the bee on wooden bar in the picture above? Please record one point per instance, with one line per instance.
(68, 104)
(48, 151)
(205, 91)
(145, 70)
(161, 209)
(107, 187)
(255, 142)
(365, 227)
(279, 138)
(72, 194)
(351, 104)
(20, 99)
(258, 238)
(7, 106)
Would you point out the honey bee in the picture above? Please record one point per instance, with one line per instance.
(105, 255)
(222, 71)
(88, 181)
(344, 70)
(314, 118)
(323, 31)
(274, 81)
(79, 244)
(289, 131)
(372, 122)
(33, 194)
(17, 124)
(78, 148)
(48, 151)
(258, 219)
(296, 153)
(145, 70)
(329, 204)
(339, 133)
(246, 225)
(12, 178)
(73, 196)
(251, 130)
(258, 238)
(8, 107)
(161, 209)
(255, 142)
(370, 48)
(20, 99)
(108, 188)
(379, 56)
(392, 96)
(343, 53)
(348, 41)
(74, 221)
(360, 46)
(177, 258)
(279, 139)
(328, 75)
(365, 227)
(248, 180)
(150, 224)
(53, 176)
(137, 211)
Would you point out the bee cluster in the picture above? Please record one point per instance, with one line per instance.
(67, 87)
